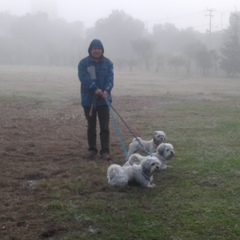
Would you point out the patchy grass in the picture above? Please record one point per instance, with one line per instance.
(50, 191)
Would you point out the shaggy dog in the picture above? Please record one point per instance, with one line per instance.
(142, 173)
(139, 145)
(165, 152)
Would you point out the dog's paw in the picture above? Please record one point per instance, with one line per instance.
(151, 185)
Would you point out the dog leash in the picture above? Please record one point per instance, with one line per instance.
(118, 132)
(130, 130)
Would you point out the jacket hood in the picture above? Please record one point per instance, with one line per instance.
(96, 43)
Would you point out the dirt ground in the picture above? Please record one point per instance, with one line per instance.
(36, 147)
(32, 149)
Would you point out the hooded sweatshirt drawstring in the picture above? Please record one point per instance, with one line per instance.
(93, 105)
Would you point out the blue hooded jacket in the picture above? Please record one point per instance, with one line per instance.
(95, 75)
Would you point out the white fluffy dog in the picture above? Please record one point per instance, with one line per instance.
(120, 176)
(165, 152)
(139, 145)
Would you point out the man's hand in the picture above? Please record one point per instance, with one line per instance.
(104, 94)
(99, 92)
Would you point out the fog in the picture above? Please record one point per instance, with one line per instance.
(182, 14)
(138, 34)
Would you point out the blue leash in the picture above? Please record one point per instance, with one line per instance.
(118, 132)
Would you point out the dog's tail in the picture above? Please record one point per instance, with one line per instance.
(111, 173)
(137, 139)
(115, 178)
(135, 158)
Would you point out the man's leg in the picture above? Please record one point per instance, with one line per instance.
(91, 130)
(103, 116)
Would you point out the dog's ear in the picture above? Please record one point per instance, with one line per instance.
(161, 149)
(172, 148)
(155, 133)
(164, 135)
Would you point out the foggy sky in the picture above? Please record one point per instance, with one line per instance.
(182, 14)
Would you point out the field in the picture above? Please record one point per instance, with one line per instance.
(50, 191)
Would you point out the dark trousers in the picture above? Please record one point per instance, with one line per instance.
(102, 112)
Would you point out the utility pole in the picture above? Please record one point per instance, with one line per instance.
(210, 15)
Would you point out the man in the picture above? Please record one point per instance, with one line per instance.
(96, 75)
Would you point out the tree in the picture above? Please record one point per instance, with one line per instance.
(36, 39)
(160, 61)
(116, 32)
(204, 61)
(144, 48)
(230, 60)
(191, 51)
(177, 62)
(172, 40)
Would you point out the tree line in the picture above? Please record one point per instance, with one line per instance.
(35, 39)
